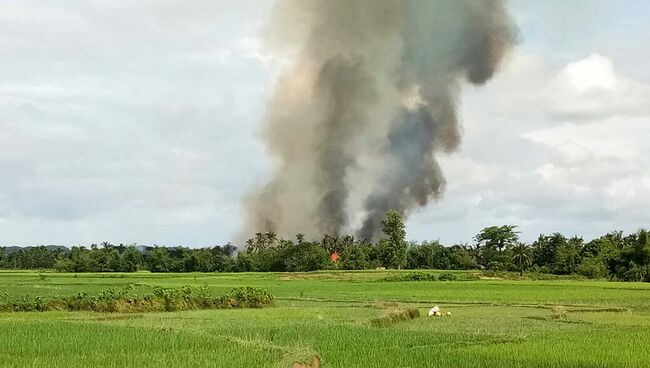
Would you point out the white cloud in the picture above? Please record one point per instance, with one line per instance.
(590, 89)
(136, 122)
(571, 154)
(120, 121)
(582, 171)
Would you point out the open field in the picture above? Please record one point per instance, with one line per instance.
(494, 323)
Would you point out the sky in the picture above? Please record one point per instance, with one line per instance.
(138, 122)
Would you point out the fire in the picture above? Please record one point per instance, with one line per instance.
(334, 257)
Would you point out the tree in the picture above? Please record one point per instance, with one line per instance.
(474, 252)
(244, 263)
(357, 256)
(432, 255)
(394, 245)
(498, 237)
(81, 261)
(131, 259)
(262, 241)
(567, 256)
(158, 260)
(63, 264)
(521, 256)
(257, 243)
(300, 237)
(3, 258)
(271, 239)
(305, 257)
(462, 257)
(330, 243)
(491, 244)
(251, 245)
(606, 249)
(592, 267)
(545, 250)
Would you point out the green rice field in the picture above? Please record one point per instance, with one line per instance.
(324, 319)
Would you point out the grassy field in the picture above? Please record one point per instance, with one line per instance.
(494, 323)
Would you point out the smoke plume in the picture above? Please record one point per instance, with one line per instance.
(366, 105)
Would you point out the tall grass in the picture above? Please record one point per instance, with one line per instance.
(161, 299)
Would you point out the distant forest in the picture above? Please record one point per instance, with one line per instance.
(614, 256)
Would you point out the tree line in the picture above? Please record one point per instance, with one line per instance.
(615, 255)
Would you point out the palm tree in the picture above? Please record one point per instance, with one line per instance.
(330, 243)
(300, 237)
(521, 256)
(271, 239)
(347, 241)
(260, 241)
(250, 245)
(474, 251)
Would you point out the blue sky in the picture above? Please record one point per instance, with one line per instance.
(137, 122)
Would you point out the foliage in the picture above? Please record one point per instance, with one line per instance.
(395, 317)
(521, 257)
(412, 276)
(392, 249)
(427, 276)
(161, 299)
(305, 257)
(359, 256)
(497, 237)
(593, 268)
(615, 255)
(446, 276)
(494, 244)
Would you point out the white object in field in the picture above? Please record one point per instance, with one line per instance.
(434, 311)
(449, 313)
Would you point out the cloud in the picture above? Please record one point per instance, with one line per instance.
(580, 167)
(121, 121)
(137, 121)
(549, 148)
(590, 89)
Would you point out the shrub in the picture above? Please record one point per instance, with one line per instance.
(559, 313)
(395, 317)
(592, 267)
(246, 297)
(447, 277)
(161, 299)
(412, 276)
(636, 273)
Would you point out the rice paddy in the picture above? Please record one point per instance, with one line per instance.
(326, 319)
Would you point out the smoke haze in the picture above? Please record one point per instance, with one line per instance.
(357, 120)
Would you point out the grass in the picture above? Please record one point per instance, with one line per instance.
(494, 323)
(161, 299)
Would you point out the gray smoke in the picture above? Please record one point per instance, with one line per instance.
(371, 94)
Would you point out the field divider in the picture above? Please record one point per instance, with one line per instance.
(161, 299)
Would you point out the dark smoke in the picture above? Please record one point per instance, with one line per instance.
(347, 90)
(377, 82)
(415, 175)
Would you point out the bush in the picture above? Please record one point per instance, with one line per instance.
(412, 276)
(161, 299)
(447, 277)
(637, 273)
(593, 268)
(395, 317)
(247, 297)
